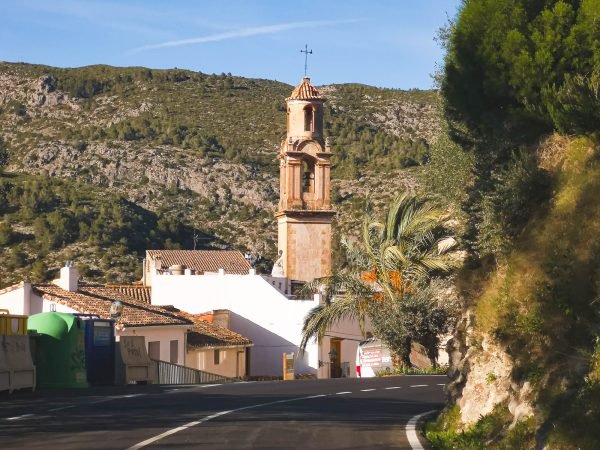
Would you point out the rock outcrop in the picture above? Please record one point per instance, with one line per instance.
(481, 376)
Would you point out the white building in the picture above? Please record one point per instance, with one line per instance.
(258, 309)
(164, 331)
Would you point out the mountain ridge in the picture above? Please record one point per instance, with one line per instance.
(202, 148)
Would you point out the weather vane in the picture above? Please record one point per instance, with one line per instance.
(306, 52)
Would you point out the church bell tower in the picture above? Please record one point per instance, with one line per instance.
(304, 215)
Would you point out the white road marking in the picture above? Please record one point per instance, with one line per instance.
(342, 393)
(62, 407)
(214, 416)
(411, 430)
(114, 397)
(394, 387)
(441, 384)
(366, 390)
(19, 417)
(419, 385)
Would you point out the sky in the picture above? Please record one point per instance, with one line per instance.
(386, 43)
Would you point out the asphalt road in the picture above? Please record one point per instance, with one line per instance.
(304, 414)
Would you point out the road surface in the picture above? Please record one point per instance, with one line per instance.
(304, 414)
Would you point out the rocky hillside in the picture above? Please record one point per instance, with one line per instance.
(199, 149)
(525, 358)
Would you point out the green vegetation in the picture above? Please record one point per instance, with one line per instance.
(71, 219)
(491, 432)
(387, 278)
(518, 68)
(219, 117)
(3, 154)
(514, 70)
(517, 71)
(194, 146)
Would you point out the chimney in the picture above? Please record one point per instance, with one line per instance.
(69, 277)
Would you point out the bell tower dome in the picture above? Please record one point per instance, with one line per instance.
(304, 215)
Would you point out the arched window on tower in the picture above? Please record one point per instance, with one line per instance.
(308, 176)
(308, 118)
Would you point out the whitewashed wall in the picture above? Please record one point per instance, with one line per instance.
(163, 334)
(232, 362)
(16, 300)
(259, 312)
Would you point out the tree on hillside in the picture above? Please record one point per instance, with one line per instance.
(388, 276)
(515, 70)
(509, 63)
(3, 154)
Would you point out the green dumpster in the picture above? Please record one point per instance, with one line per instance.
(60, 350)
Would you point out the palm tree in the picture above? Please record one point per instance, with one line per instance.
(394, 258)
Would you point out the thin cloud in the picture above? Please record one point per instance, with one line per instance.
(242, 32)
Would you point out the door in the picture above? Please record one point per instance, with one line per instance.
(335, 356)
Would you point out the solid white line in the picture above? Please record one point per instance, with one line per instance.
(366, 390)
(394, 387)
(419, 385)
(441, 384)
(19, 417)
(342, 393)
(62, 407)
(115, 397)
(411, 430)
(213, 416)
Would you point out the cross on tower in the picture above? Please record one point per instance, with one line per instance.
(306, 51)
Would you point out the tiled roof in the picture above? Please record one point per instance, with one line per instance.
(232, 261)
(141, 293)
(97, 299)
(206, 334)
(14, 287)
(305, 91)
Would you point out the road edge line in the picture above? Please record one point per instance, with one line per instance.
(411, 430)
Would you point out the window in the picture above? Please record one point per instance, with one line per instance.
(174, 352)
(308, 119)
(217, 357)
(154, 349)
(308, 176)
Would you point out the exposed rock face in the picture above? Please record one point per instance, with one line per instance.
(481, 376)
(105, 164)
(45, 93)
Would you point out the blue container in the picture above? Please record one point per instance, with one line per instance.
(99, 335)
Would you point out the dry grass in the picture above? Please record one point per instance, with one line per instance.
(551, 151)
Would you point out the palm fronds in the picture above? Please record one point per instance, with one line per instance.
(401, 252)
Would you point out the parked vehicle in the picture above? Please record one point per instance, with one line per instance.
(372, 356)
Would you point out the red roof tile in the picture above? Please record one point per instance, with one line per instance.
(141, 293)
(305, 91)
(97, 299)
(206, 334)
(232, 261)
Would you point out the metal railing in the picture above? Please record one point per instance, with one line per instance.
(170, 373)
